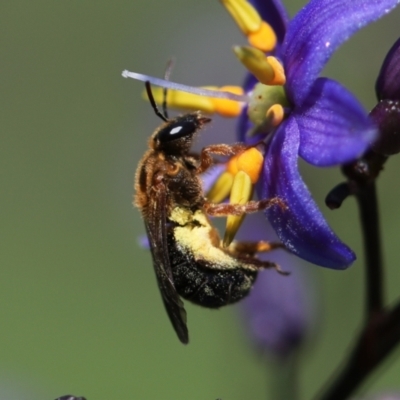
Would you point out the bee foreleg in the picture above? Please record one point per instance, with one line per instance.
(222, 210)
(220, 150)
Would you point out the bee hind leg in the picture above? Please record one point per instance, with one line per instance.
(252, 248)
(264, 264)
(249, 249)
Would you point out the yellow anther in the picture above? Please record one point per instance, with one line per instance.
(183, 100)
(250, 162)
(241, 193)
(195, 102)
(279, 72)
(231, 166)
(263, 39)
(221, 188)
(228, 108)
(275, 114)
(268, 70)
(244, 14)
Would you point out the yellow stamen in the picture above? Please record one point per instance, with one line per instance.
(268, 70)
(241, 193)
(228, 108)
(250, 162)
(275, 114)
(244, 14)
(264, 39)
(183, 100)
(231, 166)
(259, 33)
(195, 102)
(279, 72)
(246, 169)
(221, 188)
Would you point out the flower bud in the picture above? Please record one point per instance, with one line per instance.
(386, 115)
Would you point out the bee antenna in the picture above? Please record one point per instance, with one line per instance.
(167, 74)
(153, 102)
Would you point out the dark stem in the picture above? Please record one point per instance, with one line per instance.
(382, 330)
(368, 205)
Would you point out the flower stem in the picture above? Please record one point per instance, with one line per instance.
(368, 206)
(381, 331)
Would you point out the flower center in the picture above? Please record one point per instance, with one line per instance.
(266, 107)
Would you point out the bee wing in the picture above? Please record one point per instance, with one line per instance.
(156, 226)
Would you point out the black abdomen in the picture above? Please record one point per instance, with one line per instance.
(204, 283)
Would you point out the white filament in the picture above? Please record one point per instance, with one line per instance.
(184, 88)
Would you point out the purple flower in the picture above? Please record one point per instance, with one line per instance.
(387, 112)
(293, 110)
(324, 123)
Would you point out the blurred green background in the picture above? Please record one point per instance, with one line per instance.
(80, 311)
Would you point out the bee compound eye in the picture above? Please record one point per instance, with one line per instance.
(176, 130)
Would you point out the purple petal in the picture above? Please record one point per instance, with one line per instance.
(388, 83)
(317, 31)
(334, 127)
(273, 12)
(302, 227)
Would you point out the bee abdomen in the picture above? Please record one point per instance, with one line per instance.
(207, 284)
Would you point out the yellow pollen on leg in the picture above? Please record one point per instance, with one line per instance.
(275, 114)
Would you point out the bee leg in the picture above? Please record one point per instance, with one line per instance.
(270, 264)
(249, 249)
(220, 150)
(222, 210)
(252, 248)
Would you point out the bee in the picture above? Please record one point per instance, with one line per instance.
(189, 259)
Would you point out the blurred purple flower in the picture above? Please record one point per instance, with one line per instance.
(387, 112)
(280, 311)
(324, 124)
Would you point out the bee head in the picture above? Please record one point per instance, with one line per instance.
(175, 137)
